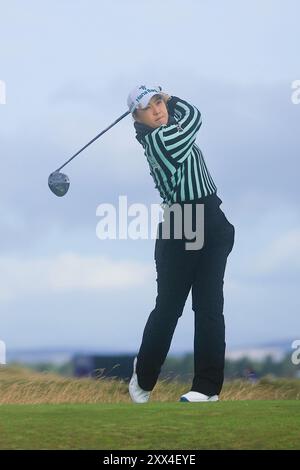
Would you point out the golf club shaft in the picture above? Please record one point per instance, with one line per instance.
(93, 140)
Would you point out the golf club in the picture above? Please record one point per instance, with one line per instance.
(59, 182)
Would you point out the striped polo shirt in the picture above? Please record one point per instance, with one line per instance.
(176, 163)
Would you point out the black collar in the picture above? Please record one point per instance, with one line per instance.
(142, 129)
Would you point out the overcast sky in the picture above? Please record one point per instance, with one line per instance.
(68, 67)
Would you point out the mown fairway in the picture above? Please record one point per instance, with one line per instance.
(256, 424)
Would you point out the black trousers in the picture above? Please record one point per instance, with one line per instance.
(178, 271)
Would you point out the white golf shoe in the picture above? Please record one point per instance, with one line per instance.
(137, 394)
(197, 397)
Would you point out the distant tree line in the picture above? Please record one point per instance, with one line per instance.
(182, 368)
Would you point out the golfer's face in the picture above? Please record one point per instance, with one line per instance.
(155, 114)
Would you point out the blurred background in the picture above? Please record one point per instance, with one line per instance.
(68, 67)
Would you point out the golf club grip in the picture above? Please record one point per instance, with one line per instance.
(93, 140)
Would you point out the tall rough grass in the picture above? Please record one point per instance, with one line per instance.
(23, 386)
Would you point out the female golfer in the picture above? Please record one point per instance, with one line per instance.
(166, 126)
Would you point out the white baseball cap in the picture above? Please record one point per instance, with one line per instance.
(140, 96)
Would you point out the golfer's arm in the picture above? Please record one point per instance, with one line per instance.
(183, 111)
(179, 138)
(170, 102)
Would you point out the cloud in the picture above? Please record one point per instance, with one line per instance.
(241, 83)
(282, 255)
(68, 271)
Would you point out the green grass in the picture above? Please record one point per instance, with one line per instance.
(256, 424)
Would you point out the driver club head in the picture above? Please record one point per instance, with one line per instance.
(58, 183)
